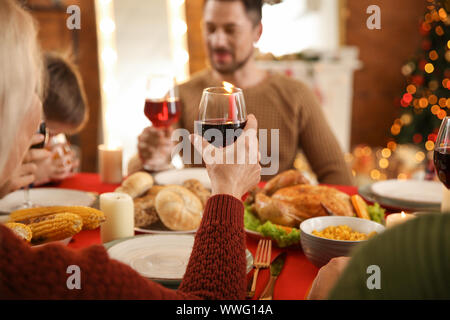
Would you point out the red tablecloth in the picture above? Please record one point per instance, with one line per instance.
(293, 283)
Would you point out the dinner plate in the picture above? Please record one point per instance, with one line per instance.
(161, 258)
(393, 204)
(44, 197)
(178, 176)
(413, 191)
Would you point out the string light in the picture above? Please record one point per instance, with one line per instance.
(435, 109)
(423, 102)
(420, 156)
(375, 174)
(383, 163)
(433, 55)
(386, 152)
(411, 89)
(432, 99)
(392, 145)
(429, 145)
(429, 68)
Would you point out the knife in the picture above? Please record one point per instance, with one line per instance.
(275, 270)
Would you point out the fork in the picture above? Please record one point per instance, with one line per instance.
(262, 260)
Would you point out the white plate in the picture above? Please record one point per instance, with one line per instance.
(178, 176)
(44, 197)
(162, 258)
(413, 191)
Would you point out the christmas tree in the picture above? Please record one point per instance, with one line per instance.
(425, 101)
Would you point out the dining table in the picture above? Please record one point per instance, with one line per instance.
(293, 283)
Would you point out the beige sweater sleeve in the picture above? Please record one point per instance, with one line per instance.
(319, 143)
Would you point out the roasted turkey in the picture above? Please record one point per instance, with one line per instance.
(288, 199)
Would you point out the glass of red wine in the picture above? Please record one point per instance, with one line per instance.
(222, 109)
(442, 161)
(27, 203)
(162, 105)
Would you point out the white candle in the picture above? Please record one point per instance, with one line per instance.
(397, 218)
(110, 164)
(119, 213)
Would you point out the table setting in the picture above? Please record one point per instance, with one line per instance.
(148, 219)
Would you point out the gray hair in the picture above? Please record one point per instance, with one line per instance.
(20, 75)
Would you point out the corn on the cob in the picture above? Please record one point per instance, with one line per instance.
(92, 218)
(21, 230)
(54, 227)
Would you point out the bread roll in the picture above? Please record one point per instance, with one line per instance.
(198, 189)
(136, 184)
(178, 208)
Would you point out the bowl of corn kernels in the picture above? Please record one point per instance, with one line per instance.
(324, 238)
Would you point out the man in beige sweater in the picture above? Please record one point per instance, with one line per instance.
(231, 28)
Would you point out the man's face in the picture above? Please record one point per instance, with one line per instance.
(229, 34)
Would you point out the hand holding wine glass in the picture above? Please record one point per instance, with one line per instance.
(162, 108)
(35, 154)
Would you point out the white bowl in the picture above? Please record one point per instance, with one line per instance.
(320, 250)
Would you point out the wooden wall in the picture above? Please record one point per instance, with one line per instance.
(55, 36)
(197, 56)
(383, 53)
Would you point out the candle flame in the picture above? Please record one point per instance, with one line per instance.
(403, 215)
(228, 86)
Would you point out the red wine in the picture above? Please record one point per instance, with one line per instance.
(226, 128)
(162, 113)
(442, 165)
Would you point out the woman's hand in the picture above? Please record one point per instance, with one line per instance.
(25, 174)
(234, 169)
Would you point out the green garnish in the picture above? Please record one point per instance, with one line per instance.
(269, 229)
(376, 213)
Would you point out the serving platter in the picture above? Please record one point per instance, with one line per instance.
(411, 191)
(394, 204)
(44, 197)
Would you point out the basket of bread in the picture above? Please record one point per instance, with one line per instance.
(47, 224)
(277, 209)
(165, 208)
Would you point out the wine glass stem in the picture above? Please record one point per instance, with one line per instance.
(28, 203)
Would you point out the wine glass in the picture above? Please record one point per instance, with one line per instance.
(222, 109)
(162, 104)
(27, 202)
(442, 161)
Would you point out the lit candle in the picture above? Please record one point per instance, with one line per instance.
(397, 218)
(110, 164)
(231, 101)
(119, 212)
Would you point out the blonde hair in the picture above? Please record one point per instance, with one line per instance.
(20, 72)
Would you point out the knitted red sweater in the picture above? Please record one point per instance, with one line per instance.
(216, 269)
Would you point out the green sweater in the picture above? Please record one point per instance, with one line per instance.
(414, 262)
